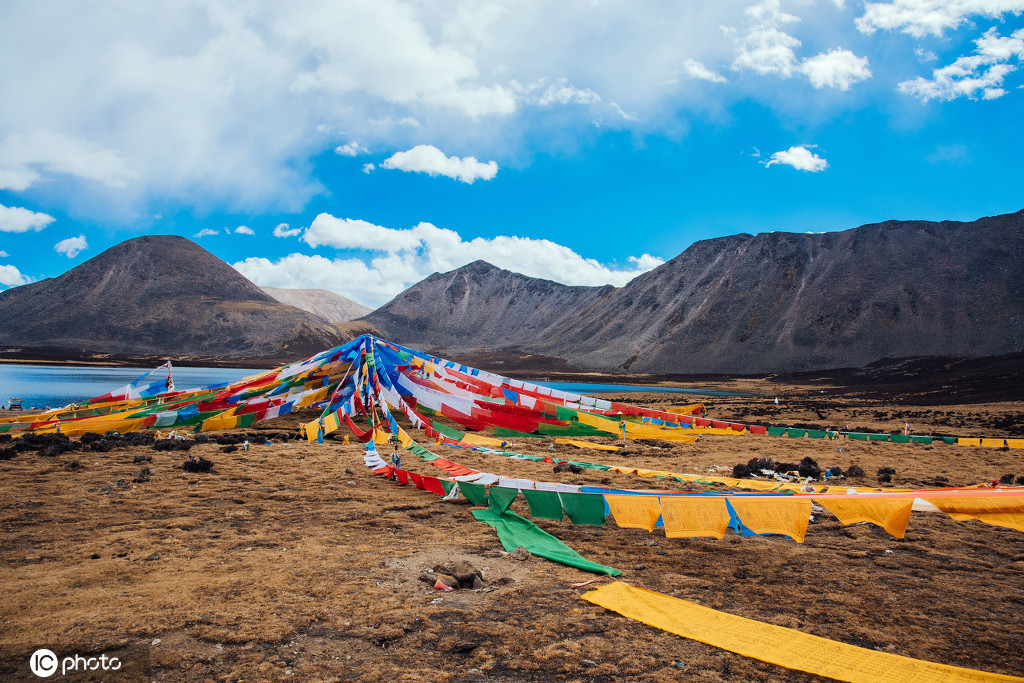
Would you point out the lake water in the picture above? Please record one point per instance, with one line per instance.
(39, 386)
(57, 385)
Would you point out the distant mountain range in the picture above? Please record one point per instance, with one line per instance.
(773, 302)
(332, 307)
(747, 303)
(159, 295)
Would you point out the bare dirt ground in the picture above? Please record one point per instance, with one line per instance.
(292, 561)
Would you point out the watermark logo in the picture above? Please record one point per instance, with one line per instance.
(43, 663)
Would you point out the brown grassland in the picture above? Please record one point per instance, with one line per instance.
(292, 561)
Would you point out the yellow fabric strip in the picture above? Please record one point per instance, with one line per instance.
(634, 512)
(784, 515)
(892, 515)
(962, 441)
(587, 444)
(992, 443)
(478, 440)
(693, 516)
(1001, 511)
(1015, 443)
(776, 644)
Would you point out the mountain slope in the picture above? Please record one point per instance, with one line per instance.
(480, 305)
(763, 303)
(159, 295)
(784, 301)
(332, 307)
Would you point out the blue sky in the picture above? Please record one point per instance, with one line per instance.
(361, 146)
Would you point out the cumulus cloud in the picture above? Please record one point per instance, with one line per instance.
(980, 75)
(836, 68)
(764, 47)
(24, 159)
(350, 149)
(800, 158)
(928, 17)
(244, 230)
(282, 230)
(17, 219)
(432, 161)
(695, 69)
(206, 232)
(10, 276)
(72, 246)
(402, 257)
(3, 254)
(562, 92)
(767, 49)
(368, 168)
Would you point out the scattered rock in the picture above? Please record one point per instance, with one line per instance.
(94, 556)
(200, 465)
(142, 457)
(885, 474)
(568, 467)
(854, 471)
(519, 554)
(153, 558)
(464, 648)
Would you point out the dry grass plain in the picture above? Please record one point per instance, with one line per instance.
(291, 561)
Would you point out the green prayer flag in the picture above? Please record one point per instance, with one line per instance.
(514, 531)
(474, 493)
(584, 508)
(501, 498)
(543, 504)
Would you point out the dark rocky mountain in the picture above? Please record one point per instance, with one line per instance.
(160, 295)
(748, 303)
(481, 306)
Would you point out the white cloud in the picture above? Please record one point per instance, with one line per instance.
(562, 92)
(979, 75)
(3, 254)
(836, 68)
(17, 219)
(432, 161)
(72, 246)
(205, 232)
(368, 168)
(10, 276)
(350, 149)
(282, 230)
(765, 48)
(23, 159)
(402, 257)
(695, 69)
(800, 158)
(930, 17)
(244, 230)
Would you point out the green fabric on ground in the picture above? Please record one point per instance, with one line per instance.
(950, 440)
(514, 531)
(502, 431)
(878, 437)
(816, 433)
(857, 436)
(797, 433)
(584, 508)
(501, 498)
(572, 430)
(448, 431)
(543, 504)
(776, 431)
(921, 439)
(447, 485)
(474, 493)
(899, 438)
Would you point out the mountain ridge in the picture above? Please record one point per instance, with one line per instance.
(743, 303)
(157, 294)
